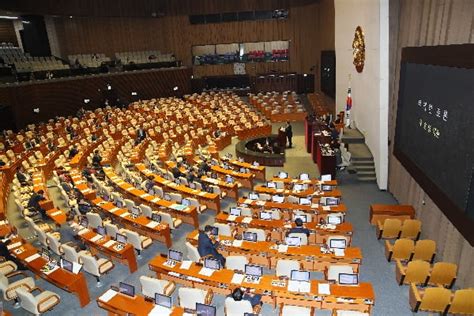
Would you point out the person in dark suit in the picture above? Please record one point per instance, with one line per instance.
(74, 151)
(141, 135)
(22, 177)
(34, 203)
(299, 229)
(208, 247)
(96, 159)
(5, 253)
(289, 133)
(238, 295)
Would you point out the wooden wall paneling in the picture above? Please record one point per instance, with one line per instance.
(7, 32)
(425, 23)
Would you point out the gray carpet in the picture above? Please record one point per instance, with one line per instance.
(391, 299)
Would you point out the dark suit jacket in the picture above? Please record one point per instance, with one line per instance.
(205, 246)
(289, 131)
(297, 230)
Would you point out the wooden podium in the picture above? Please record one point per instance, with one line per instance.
(281, 138)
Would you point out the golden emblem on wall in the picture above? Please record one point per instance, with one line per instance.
(358, 49)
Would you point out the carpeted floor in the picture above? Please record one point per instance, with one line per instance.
(391, 300)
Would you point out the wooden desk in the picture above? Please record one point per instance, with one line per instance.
(221, 282)
(258, 171)
(231, 189)
(310, 192)
(311, 182)
(124, 305)
(125, 255)
(211, 200)
(379, 212)
(70, 282)
(277, 229)
(188, 214)
(245, 178)
(5, 228)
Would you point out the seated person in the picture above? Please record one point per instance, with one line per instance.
(206, 246)
(34, 203)
(299, 229)
(74, 151)
(254, 299)
(150, 183)
(5, 253)
(176, 172)
(96, 159)
(2, 163)
(22, 177)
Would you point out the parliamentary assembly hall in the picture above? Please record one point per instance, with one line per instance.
(236, 157)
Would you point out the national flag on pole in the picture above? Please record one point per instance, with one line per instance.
(348, 107)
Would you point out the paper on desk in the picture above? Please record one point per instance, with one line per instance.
(152, 224)
(282, 248)
(11, 246)
(237, 243)
(32, 257)
(186, 264)
(202, 193)
(130, 189)
(124, 214)
(2, 222)
(83, 231)
(145, 195)
(113, 210)
(323, 288)
(339, 252)
(248, 201)
(206, 272)
(52, 270)
(237, 278)
(287, 226)
(107, 296)
(96, 238)
(231, 218)
(155, 200)
(109, 243)
(160, 311)
(76, 267)
(326, 208)
(56, 213)
(246, 220)
(260, 203)
(314, 205)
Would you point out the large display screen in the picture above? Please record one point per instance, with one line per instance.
(435, 134)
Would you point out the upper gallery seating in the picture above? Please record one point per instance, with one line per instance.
(88, 60)
(144, 57)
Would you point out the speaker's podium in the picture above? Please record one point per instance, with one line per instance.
(281, 137)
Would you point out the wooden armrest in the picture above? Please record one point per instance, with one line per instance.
(46, 299)
(209, 296)
(170, 284)
(106, 262)
(36, 288)
(15, 273)
(400, 271)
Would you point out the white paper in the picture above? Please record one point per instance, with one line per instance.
(76, 267)
(155, 200)
(324, 288)
(113, 210)
(15, 245)
(96, 238)
(237, 243)
(152, 224)
(186, 264)
(237, 278)
(314, 205)
(326, 208)
(125, 214)
(109, 243)
(32, 257)
(130, 189)
(202, 193)
(160, 311)
(282, 248)
(247, 220)
(260, 203)
(52, 270)
(145, 195)
(248, 201)
(83, 231)
(293, 286)
(339, 252)
(56, 213)
(231, 218)
(107, 296)
(206, 272)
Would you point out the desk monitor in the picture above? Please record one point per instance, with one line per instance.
(249, 236)
(266, 215)
(229, 179)
(293, 241)
(326, 177)
(66, 265)
(120, 203)
(235, 211)
(297, 275)
(253, 270)
(334, 219)
(298, 187)
(332, 201)
(175, 255)
(214, 175)
(192, 185)
(271, 185)
(348, 279)
(156, 217)
(255, 164)
(127, 289)
(282, 175)
(45, 253)
(185, 202)
(121, 238)
(326, 187)
(337, 243)
(303, 217)
(242, 170)
(212, 263)
(305, 201)
(215, 231)
(253, 196)
(101, 230)
(304, 176)
(163, 300)
(205, 310)
(278, 198)
(167, 197)
(84, 222)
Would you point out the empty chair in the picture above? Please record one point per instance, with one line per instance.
(246, 211)
(94, 220)
(129, 204)
(8, 267)
(303, 237)
(38, 304)
(236, 263)
(111, 229)
(96, 267)
(146, 210)
(260, 233)
(237, 308)
(195, 203)
(284, 267)
(41, 236)
(188, 297)
(71, 254)
(416, 271)
(193, 253)
(54, 244)
(411, 229)
(433, 299)
(172, 222)
(224, 229)
(151, 285)
(443, 274)
(158, 191)
(402, 249)
(462, 303)
(389, 229)
(139, 242)
(9, 288)
(333, 271)
(424, 250)
(176, 197)
(290, 310)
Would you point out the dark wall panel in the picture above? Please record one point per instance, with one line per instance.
(7, 32)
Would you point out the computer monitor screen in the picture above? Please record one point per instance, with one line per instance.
(119, 203)
(156, 217)
(101, 230)
(253, 270)
(348, 279)
(167, 197)
(185, 202)
(192, 186)
(303, 217)
(67, 265)
(271, 185)
(253, 196)
(338, 243)
(163, 300)
(121, 238)
(84, 222)
(298, 187)
(45, 253)
(214, 175)
(293, 241)
(229, 180)
(297, 275)
(215, 231)
(235, 211)
(334, 219)
(326, 187)
(205, 310)
(266, 215)
(304, 176)
(282, 175)
(305, 201)
(249, 236)
(255, 164)
(126, 289)
(250, 314)
(243, 170)
(175, 255)
(326, 177)
(278, 198)
(212, 263)
(135, 211)
(332, 201)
